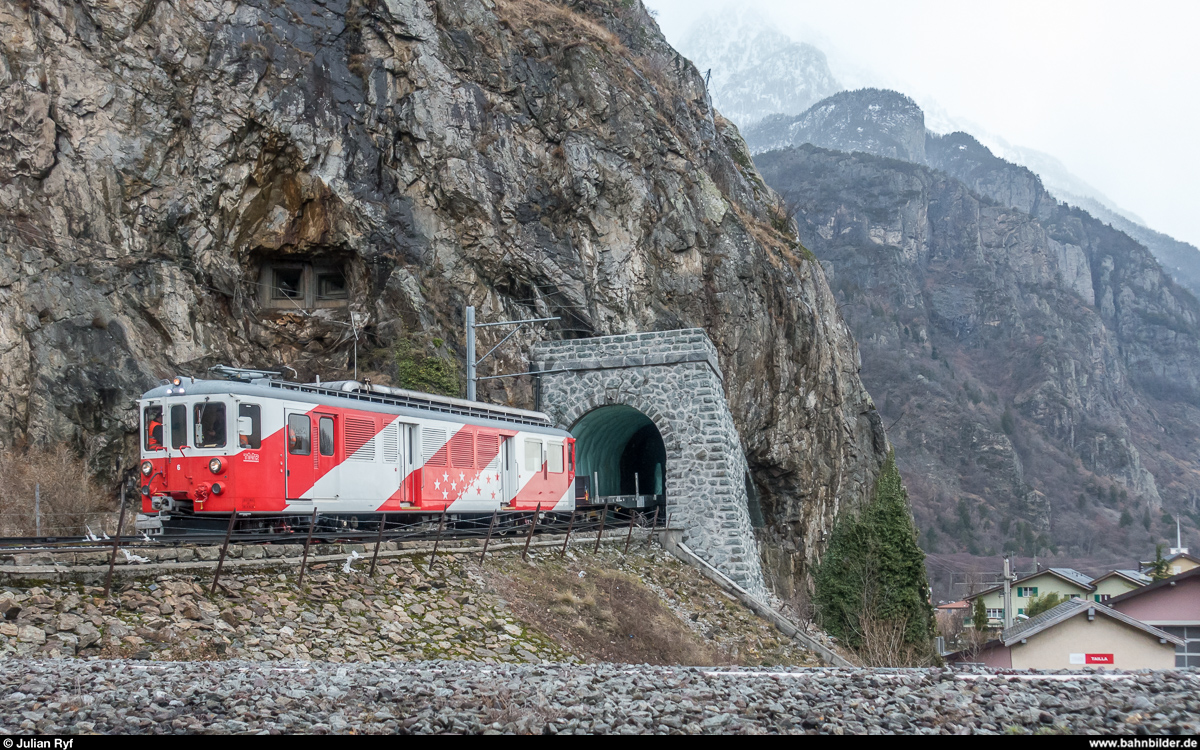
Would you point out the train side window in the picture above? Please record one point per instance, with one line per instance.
(533, 455)
(152, 419)
(178, 426)
(299, 435)
(249, 426)
(209, 418)
(326, 444)
(554, 458)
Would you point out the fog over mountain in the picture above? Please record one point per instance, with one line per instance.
(765, 81)
(1031, 81)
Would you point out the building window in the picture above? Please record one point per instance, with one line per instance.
(1027, 591)
(995, 614)
(290, 286)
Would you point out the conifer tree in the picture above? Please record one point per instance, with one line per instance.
(979, 617)
(873, 565)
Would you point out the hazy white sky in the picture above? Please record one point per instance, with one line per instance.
(1112, 89)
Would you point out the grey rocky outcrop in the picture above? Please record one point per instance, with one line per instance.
(1024, 353)
(528, 158)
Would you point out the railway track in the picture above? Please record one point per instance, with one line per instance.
(449, 527)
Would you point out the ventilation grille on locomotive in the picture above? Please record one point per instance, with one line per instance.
(486, 449)
(360, 439)
(391, 444)
(431, 444)
(462, 450)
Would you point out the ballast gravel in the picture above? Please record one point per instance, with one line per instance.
(74, 696)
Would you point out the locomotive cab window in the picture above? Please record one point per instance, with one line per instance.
(179, 435)
(249, 426)
(299, 435)
(554, 458)
(209, 419)
(533, 455)
(152, 420)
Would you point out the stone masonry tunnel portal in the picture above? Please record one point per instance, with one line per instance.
(621, 447)
(653, 404)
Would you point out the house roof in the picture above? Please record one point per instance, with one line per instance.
(1150, 563)
(1155, 586)
(955, 605)
(1072, 608)
(1070, 575)
(1132, 576)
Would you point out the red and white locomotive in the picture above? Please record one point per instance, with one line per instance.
(266, 447)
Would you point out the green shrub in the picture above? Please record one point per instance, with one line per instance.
(417, 370)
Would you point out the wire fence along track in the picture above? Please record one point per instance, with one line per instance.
(450, 527)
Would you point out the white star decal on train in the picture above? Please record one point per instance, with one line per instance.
(454, 485)
(461, 476)
(444, 493)
(437, 484)
(445, 476)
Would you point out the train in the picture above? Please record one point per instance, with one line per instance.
(276, 453)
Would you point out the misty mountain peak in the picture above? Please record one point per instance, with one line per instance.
(756, 70)
(874, 121)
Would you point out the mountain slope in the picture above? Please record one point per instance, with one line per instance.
(1022, 362)
(530, 158)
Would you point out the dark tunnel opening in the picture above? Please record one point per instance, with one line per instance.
(617, 443)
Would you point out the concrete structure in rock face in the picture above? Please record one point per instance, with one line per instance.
(654, 404)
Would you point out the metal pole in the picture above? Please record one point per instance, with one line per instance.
(596, 481)
(532, 526)
(471, 376)
(116, 542)
(637, 491)
(436, 542)
(1007, 619)
(378, 539)
(488, 540)
(653, 526)
(37, 506)
(568, 539)
(603, 516)
(221, 559)
(629, 536)
(312, 524)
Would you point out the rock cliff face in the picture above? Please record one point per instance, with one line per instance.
(523, 156)
(1036, 368)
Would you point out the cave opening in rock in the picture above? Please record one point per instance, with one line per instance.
(615, 443)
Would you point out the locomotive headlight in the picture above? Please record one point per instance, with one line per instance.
(215, 466)
(147, 467)
(217, 489)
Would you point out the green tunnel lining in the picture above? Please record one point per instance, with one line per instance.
(601, 436)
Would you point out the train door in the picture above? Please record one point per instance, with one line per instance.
(326, 478)
(301, 465)
(408, 462)
(509, 478)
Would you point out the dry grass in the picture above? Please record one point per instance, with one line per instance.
(606, 615)
(70, 499)
(556, 22)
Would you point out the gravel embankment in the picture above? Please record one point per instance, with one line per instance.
(120, 696)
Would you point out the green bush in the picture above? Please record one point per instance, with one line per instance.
(417, 370)
(1040, 604)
